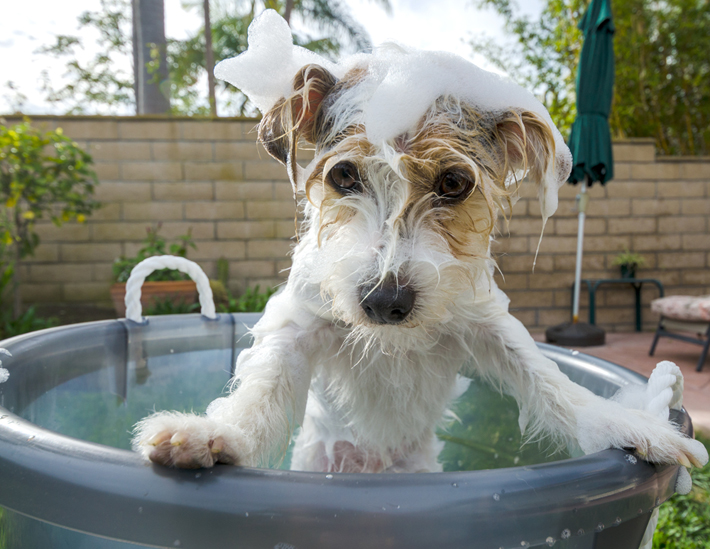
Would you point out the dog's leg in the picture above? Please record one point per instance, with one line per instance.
(253, 425)
(552, 405)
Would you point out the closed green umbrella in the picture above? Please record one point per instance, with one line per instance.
(590, 143)
(590, 139)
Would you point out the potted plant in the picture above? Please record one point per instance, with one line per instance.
(165, 285)
(627, 262)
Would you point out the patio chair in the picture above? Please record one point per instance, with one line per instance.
(685, 314)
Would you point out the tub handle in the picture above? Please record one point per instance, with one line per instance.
(147, 266)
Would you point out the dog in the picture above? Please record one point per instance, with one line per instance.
(391, 294)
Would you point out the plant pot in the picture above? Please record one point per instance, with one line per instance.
(628, 271)
(177, 291)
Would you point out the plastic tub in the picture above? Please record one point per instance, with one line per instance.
(68, 480)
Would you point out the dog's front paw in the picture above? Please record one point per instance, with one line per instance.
(643, 423)
(653, 438)
(674, 449)
(186, 441)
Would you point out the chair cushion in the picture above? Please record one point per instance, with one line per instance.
(683, 307)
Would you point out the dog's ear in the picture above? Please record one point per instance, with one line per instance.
(294, 117)
(529, 150)
(528, 145)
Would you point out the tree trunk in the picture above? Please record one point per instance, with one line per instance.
(288, 10)
(151, 85)
(209, 58)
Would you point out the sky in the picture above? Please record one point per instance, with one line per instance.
(425, 24)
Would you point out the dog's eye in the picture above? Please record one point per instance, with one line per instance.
(453, 185)
(345, 178)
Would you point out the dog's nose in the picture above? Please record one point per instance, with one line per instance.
(387, 302)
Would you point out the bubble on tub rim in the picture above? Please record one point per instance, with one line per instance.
(575, 352)
(566, 534)
(454, 484)
(496, 497)
(550, 541)
(617, 521)
(4, 374)
(329, 476)
(580, 532)
(600, 527)
(524, 544)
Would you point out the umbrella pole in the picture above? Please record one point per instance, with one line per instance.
(575, 333)
(582, 200)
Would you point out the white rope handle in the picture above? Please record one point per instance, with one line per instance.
(147, 266)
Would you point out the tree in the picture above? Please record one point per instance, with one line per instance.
(209, 58)
(102, 84)
(41, 175)
(328, 18)
(150, 63)
(662, 70)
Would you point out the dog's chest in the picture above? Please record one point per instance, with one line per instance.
(386, 401)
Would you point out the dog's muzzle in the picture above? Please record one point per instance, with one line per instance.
(387, 302)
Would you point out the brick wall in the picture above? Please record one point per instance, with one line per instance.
(207, 176)
(211, 176)
(656, 206)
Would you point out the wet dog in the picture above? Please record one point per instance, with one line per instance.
(391, 295)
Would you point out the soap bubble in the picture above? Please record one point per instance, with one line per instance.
(266, 70)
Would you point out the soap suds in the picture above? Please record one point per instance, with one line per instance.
(401, 85)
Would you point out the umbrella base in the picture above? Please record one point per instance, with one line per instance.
(575, 334)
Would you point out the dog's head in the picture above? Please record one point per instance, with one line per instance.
(411, 171)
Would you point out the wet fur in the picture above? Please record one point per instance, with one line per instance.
(369, 396)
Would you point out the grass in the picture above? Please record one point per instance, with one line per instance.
(684, 521)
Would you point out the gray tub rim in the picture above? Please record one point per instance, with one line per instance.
(113, 493)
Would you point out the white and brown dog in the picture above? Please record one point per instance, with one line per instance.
(391, 294)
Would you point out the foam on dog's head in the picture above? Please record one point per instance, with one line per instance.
(401, 83)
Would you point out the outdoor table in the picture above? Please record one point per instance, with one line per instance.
(637, 283)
